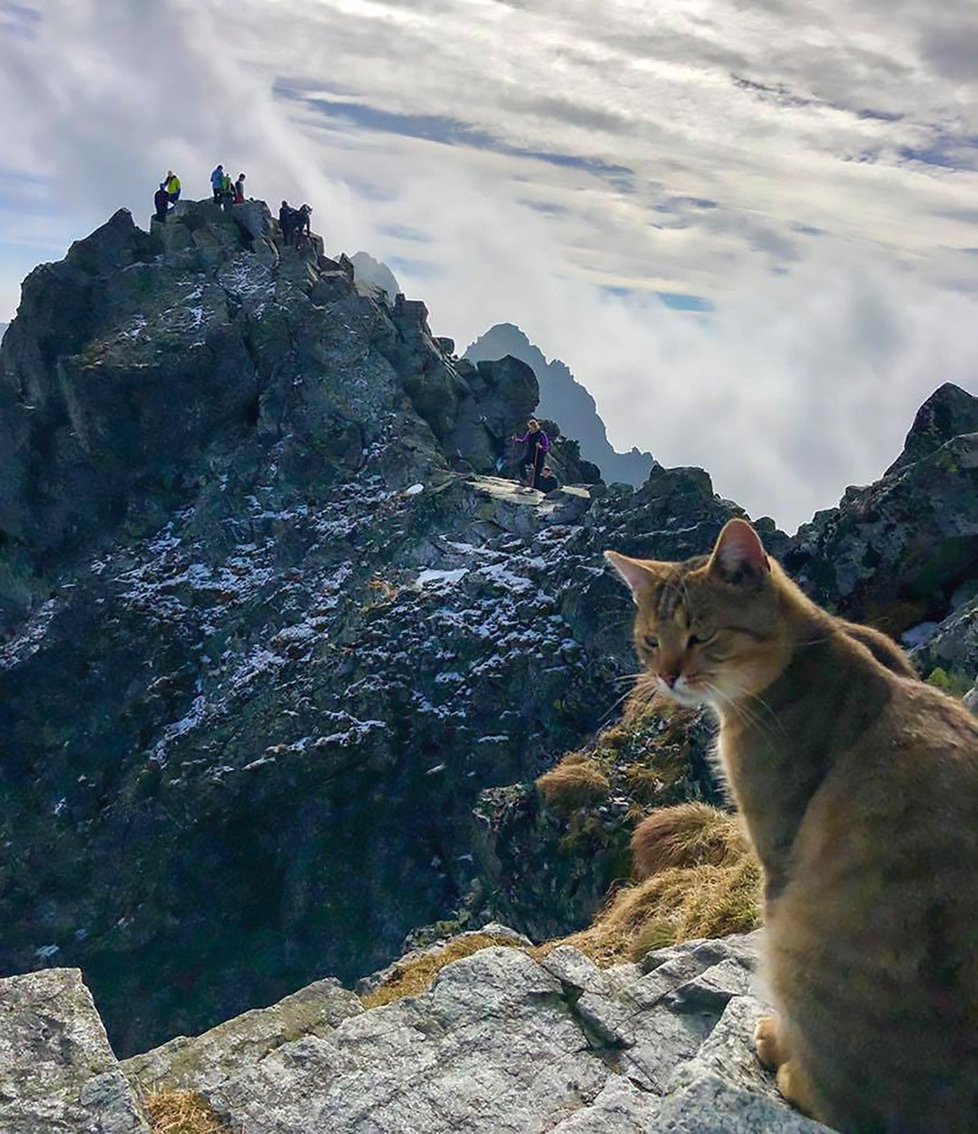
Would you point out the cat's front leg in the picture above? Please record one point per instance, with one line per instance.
(772, 1053)
(768, 1044)
(794, 1087)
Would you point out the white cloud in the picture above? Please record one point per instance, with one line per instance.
(807, 168)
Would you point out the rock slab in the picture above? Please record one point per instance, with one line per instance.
(505, 1043)
(57, 1072)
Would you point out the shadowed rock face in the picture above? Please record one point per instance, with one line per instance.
(948, 413)
(264, 645)
(895, 553)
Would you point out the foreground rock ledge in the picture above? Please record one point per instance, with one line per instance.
(500, 1043)
(57, 1072)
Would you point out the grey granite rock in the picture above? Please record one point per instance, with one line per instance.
(57, 1072)
(210, 1058)
(493, 1046)
(504, 1043)
(501, 934)
(620, 1107)
(711, 1106)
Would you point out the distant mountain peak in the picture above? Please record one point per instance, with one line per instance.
(369, 273)
(565, 400)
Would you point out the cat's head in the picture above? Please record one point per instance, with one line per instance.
(710, 630)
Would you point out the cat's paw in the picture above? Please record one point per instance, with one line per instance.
(767, 1043)
(793, 1085)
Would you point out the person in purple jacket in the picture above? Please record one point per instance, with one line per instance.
(537, 446)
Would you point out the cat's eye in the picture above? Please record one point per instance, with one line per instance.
(701, 638)
(651, 641)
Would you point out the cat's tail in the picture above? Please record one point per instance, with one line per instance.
(689, 834)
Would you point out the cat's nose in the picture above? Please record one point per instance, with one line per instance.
(669, 678)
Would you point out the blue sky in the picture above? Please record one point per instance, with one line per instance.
(749, 228)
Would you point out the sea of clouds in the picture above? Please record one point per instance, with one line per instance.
(748, 229)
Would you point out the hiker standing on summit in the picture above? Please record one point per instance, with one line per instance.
(217, 177)
(286, 218)
(171, 183)
(161, 202)
(537, 446)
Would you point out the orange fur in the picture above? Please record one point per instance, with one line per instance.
(858, 785)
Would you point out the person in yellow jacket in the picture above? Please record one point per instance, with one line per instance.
(171, 183)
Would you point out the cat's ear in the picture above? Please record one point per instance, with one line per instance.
(739, 556)
(639, 574)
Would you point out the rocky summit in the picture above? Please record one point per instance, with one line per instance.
(283, 647)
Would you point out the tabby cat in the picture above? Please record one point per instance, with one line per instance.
(858, 785)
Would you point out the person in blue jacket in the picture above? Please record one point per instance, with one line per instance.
(217, 180)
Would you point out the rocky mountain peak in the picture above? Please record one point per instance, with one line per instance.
(947, 413)
(283, 658)
(145, 368)
(563, 398)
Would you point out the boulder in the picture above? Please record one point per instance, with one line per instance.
(500, 397)
(894, 553)
(57, 1072)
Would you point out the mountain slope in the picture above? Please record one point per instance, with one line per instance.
(263, 645)
(277, 646)
(564, 400)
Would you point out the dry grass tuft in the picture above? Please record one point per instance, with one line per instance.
(416, 976)
(574, 783)
(182, 1112)
(690, 834)
(706, 884)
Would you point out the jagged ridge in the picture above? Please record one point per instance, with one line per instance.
(254, 682)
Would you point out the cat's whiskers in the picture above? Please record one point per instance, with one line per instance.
(624, 697)
(646, 690)
(767, 708)
(739, 709)
(626, 677)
